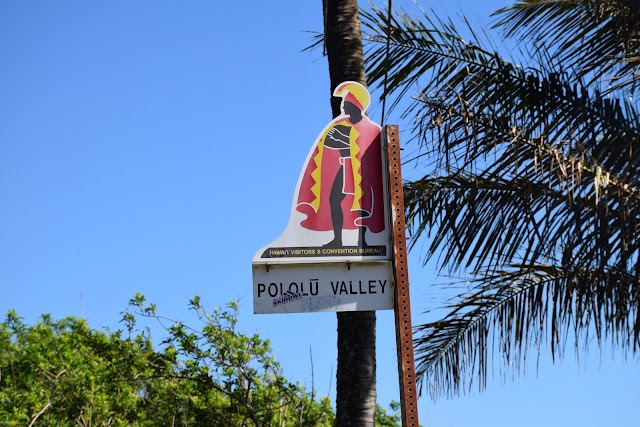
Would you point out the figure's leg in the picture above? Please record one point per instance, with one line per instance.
(337, 217)
(361, 241)
(362, 229)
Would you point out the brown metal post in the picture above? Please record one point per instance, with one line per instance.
(404, 337)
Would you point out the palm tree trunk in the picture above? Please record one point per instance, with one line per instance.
(356, 374)
(343, 42)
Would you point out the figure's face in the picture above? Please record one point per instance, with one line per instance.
(351, 110)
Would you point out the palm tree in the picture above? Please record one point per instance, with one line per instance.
(356, 372)
(530, 178)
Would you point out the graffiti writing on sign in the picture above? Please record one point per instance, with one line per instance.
(322, 303)
(287, 297)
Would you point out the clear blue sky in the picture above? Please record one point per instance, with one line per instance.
(153, 147)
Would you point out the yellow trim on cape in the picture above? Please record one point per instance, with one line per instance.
(317, 172)
(355, 166)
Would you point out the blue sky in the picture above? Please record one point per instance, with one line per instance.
(153, 147)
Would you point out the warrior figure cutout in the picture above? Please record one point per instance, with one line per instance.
(341, 186)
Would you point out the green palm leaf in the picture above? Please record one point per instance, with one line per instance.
(530, 184)
(525, 307)
(600, 39)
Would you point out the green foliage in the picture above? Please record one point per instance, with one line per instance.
(530, 178)
(63, 373)
(233, 378)
(388, 420)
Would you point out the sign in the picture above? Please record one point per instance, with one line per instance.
(335, 253)
(316, 287)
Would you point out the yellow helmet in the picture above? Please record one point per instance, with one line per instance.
(355, 93)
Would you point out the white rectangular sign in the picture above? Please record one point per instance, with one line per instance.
(306, 288)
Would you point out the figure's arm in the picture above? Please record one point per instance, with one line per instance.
(338, 137)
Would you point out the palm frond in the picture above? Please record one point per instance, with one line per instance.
(523, 308)
(507, 183)
(533, 187)
(593, 37)
(431, 51)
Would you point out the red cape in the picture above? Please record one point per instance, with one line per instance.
(370, 159)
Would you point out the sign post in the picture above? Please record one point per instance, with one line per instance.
(402, 303)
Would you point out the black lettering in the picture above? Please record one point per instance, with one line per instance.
(372, 287)
(275, 292)
(261, 289)
(311, 288)
(334, 287)
(351, 288)
(291, 285)
(360, 287)
(343, 288)
(382, 284)
(302, 289)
